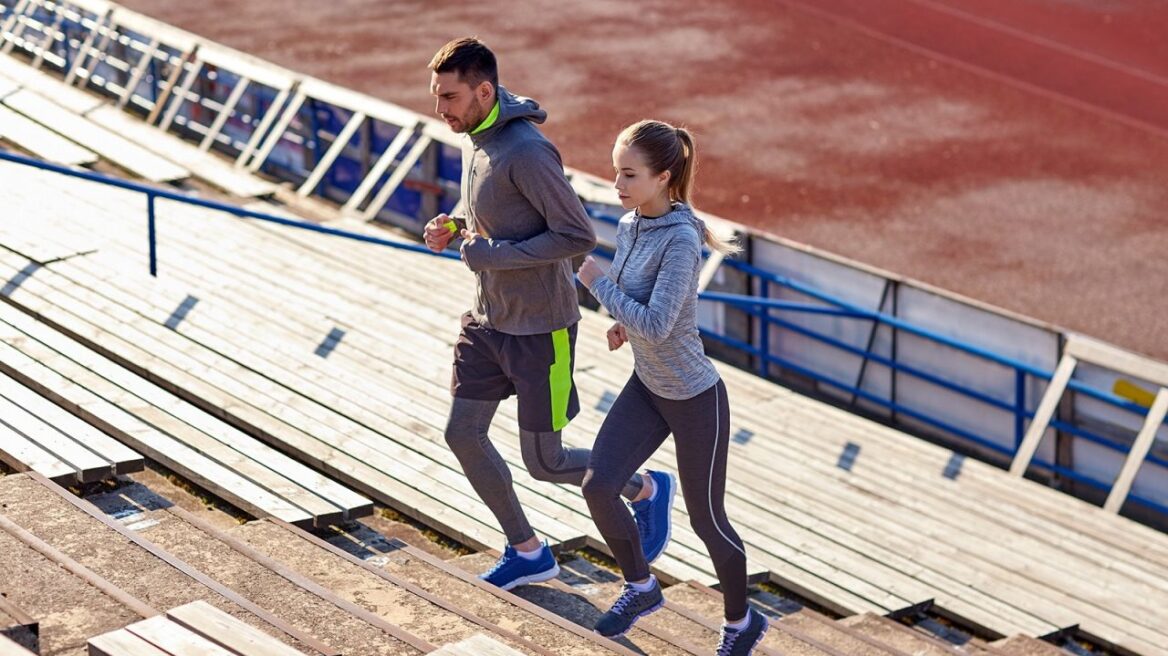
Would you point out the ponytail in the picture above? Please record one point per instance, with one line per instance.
(668, 148)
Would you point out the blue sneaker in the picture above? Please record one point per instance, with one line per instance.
(513, 570)
(654, 518)
(629, 607)
(742, 643)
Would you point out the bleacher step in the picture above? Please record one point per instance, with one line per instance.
(1024, 646)
(17, 625)
(447, 580)
(706, 602)
(434, 618)
(132, 563)
(897, 635)
(70, 610)
(345, 627)
(574, 604)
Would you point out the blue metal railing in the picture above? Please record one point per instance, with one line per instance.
(760, 307)
(153, 193)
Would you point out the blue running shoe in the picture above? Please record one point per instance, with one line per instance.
(513, 570)
(654, 518)
(629, 607)
(742, 643)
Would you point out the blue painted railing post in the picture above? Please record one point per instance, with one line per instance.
(151, 237)
(764, 325)
(1019, 407)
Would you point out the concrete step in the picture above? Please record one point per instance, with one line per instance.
(445, 579)
(134, 564)
(569, 599)
(897, 635)
(815, 626)
(706, 602)
(69, 610)
(1025, 646)
(269, 584)
(17, 625)
(429, 616)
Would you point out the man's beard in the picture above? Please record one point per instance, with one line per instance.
(475, 115)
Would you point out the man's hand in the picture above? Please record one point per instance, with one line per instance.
(438, 233)
(468, 240)
(589, 271)
(616, 336)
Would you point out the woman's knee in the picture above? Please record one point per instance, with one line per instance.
(598, 488)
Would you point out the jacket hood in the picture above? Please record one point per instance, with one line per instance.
(512, 108)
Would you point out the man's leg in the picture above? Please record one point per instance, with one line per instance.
(466, 435)
(548, 460)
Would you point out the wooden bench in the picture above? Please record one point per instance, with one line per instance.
(182, 438)
(195, 629)
(41, 141)
(40, 436)
(86, 133)
(204, 165)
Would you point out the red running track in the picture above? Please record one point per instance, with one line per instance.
(819, 130)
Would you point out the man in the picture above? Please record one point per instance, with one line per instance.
(523, 223)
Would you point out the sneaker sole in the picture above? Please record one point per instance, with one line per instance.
(668, 520)
(538, 577)
(647, 611)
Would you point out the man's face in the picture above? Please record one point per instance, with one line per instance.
(457, 103)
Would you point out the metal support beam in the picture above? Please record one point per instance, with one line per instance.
(395, 180)
(331, 155)
(225, 113)
(277, 132)
(383, 163)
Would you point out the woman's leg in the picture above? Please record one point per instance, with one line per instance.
(631, 432)
(701, 431)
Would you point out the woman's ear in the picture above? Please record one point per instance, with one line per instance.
(664, 177)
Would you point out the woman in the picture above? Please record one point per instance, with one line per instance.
(651, 290)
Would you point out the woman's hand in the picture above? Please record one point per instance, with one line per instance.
(616, 336)
(589, 271)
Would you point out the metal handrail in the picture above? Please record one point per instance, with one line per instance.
(153, 193)
(759, 307)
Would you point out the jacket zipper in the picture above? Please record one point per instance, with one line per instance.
(636, 233)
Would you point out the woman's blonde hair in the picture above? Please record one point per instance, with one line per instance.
(669, 148)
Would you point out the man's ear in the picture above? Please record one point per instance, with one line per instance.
(484, 90)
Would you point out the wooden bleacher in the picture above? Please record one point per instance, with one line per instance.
(195, 629)
(1002, 554)
(37, 435)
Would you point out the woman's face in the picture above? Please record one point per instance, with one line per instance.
(635, 183)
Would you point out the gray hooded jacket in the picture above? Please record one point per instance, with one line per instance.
(529, 221)
(652, 288)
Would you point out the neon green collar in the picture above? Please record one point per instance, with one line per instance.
(489, 121)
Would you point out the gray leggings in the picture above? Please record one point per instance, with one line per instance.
(636, 426)
(544, 456)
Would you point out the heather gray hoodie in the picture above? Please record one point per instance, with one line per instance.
(530, 222)
(652, 288)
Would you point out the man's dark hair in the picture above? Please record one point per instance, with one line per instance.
(470, 58)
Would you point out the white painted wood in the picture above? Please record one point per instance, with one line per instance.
(331, 154)
(378, 169)
(397, 177)
(1139, 451)
(1117, 359)
(139, 71)
(88, 134)
(41, 141)
(266, 122)
(209, 167)
(224, 114)
(1042, 416)
(286, 118)
(179, 97)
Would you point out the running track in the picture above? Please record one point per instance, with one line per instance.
(1014, 151)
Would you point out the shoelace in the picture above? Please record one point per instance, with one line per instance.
(626, 598)
(503, 560)
(726, 644)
